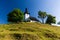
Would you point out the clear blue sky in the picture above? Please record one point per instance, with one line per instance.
(49, 6)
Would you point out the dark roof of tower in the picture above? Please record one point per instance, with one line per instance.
(26, 11)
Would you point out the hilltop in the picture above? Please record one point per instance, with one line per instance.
(29, 31)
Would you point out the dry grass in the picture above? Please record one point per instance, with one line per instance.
(29, 31)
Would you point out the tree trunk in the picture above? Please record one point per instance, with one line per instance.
(42, 20)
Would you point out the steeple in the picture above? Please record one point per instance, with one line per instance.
(26, 15)
(26, 11)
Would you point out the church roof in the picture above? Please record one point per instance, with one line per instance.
(33, 18)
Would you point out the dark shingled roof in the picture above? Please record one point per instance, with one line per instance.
(26, 11)
(33, 18)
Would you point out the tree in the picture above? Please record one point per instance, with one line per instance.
(42, 15)
(15, 16)
(50, 19)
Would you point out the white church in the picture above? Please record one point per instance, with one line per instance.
(28, 18)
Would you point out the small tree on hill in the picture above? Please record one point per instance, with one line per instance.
(15, 16)
(50, 19)
(42, 15)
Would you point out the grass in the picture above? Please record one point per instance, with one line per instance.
(29, 31)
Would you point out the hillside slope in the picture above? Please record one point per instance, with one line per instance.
(29, 31)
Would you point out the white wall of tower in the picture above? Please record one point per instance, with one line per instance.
(27, 16)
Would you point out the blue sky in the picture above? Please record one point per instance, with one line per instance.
(49, 6)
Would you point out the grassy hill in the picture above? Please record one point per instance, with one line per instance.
(29, 31)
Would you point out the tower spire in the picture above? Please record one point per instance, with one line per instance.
(26, 11)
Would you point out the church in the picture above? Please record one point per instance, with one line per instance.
(28, 18)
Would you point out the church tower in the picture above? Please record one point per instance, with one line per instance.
(26, 15)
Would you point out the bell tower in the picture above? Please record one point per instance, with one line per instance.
(26, 15)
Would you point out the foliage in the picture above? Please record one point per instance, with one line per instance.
(15, 16)
(50, 19)
(42, 15)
